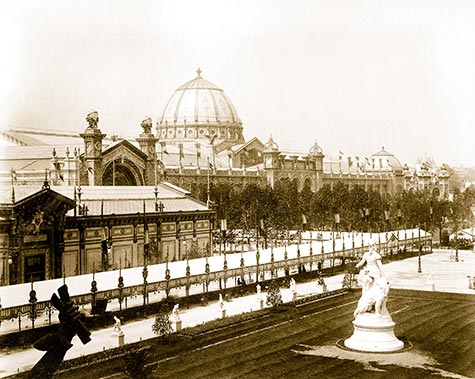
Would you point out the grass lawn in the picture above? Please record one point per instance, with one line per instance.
(300, 342)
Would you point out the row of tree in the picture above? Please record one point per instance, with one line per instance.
(285, 208)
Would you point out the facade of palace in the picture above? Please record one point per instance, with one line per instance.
(198, 140)
(198, 137)
(50, 232)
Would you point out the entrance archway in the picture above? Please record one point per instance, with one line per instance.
(119, 174)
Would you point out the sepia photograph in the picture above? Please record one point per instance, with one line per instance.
(237, 189)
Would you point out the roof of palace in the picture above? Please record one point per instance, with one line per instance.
(199, 101)
(114, 199)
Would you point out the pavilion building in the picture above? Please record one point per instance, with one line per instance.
(198, 141)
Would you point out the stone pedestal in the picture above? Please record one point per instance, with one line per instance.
(429, 286)
(177, 325)
(374, 333)
(120, 337)
(261, 303)
(223, 313)
(294, 296)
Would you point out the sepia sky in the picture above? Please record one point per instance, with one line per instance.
(353, 75)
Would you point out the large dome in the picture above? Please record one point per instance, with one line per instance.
(200, 109)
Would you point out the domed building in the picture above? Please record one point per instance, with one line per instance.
(199, 139)
(200, 110)
(86, 185)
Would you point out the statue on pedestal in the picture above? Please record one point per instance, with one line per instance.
(176, 312)
(293, 285)
(373, 325)
(374, 283)
(117, 327)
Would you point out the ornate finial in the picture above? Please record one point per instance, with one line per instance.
(315, 149)
(54, 152)
(198, 71)
(46, 182)
(270, 145)
(13, 175)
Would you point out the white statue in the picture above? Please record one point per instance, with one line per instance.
(374, 282)
(258, 291)
(221, 302)
(117, 326)
(293, 288)
(176, 312)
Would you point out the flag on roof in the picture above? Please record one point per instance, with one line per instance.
(57, 168)
(86, 164)
(164, 147)
(180, 147)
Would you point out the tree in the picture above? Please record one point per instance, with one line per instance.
(358, 201)
(305, 197)
(287, 213)
(340, 203)
(274, 296)
(162, 326)
(321, 206)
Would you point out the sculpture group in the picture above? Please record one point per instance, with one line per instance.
(374, 283)
(373, 325)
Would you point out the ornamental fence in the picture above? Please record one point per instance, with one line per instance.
(312, 254)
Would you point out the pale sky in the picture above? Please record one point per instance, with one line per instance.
(353, 75)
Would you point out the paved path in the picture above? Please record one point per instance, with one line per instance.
(445, 274)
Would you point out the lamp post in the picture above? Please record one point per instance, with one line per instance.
(399, 216)
(419, 263)
(146, 248)
(455, 214)
(187, 268)
(366, 214)
(456, 241)
(311, 252)
(386, 227)
(337, 221)
(167, 273)
(271, 259)
(431, 212)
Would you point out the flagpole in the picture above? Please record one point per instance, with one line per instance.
(209, 167)
(78, 169)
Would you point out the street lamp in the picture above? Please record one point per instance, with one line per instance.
(419, 266)
(337, 221)
(455, 214)
(187, 268)
(185, 250)
(146, 248)
(456, 241)
(366, 214)
(399, 216)
(386, 227)
(431, 211)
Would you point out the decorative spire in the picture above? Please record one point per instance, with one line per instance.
(198, 71)
(315, 149)
(270, 145)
